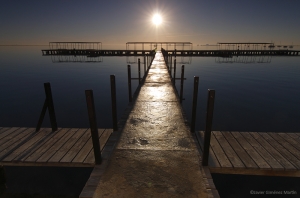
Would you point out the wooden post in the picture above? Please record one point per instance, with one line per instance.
(39, 124)
(93, 125)
(139, 70)
(207, 134)
(113, 101)
(181, 83)
(50, 105)
(144, 65)
(171, 65)
(129, 83)
(194, 107)
(47, 104)
(174, 75)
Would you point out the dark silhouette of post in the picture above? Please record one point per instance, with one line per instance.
(207, 134)
(181, 83)
(129, 83)
(174, 75)
(194, 107)
(144, 65)
(93, 125)
(48, 104)
(113, 101)
(139, 70)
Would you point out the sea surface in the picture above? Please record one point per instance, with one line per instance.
(250, 96)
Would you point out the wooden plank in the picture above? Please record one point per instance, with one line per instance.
(251, 151)
(243, 155)
(54, 137)
(217, 149)
(84, 152)
(291, 140)
(28, 144)
(55, 147)
(11, 138)
(6, 131)
(103, 139)
(262, 151)
(70, 155)
(66, 147)
(251, 171)
(232, 156)
(278, 143)
(295, 136)
(32, 149)
(13, 144)
(212, 159)
(272, 151)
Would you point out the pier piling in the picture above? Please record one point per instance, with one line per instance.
(207, 134)
(93, 125)
(194, 107)
(48, 104)
(129, 83)
(114, 102)
(181, 83)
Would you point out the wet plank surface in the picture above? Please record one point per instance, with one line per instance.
(64, 147)
(255, 153)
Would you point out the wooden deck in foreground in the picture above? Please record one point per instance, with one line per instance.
(254, 153)
(65, 147)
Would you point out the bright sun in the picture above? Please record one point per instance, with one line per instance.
(156, 19)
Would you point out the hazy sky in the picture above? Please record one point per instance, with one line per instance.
(120, 21)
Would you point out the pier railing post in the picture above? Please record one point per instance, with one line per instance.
(113, 101)
(174, 75)
(207, 134)
(194, 107)
(48, 104)
(144, 65)
(181, 83)
(93, 125)
(171, 65)
(139, 70)
(129, 83)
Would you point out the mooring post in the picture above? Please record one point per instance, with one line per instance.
(171, 65)
(139, 70)
(39, 124)
(181, 83)
(194, 107)
(93, 125)
(207, 134)
(129, 83)
(113, 101)
(174, 75)
(144, 65)
(50, 105)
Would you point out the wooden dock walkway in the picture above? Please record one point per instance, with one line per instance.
(254, 153)
(155, 154)
(71, 147)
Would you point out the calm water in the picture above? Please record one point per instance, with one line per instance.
(249, 97)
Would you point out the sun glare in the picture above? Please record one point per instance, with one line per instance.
(156, 19)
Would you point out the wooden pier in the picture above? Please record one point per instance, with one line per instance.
(96, 53)
(230, 53)
(68, 147)
(253, 153)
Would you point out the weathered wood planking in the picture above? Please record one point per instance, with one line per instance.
(254, 153)
(64, 147)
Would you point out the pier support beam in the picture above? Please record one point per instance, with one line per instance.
(113, 102)
(93, 125)
(207, 134)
